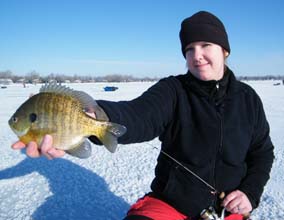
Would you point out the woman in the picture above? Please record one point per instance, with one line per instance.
(207, 121)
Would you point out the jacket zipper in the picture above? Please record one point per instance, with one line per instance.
(218, 148)
(221, 133)
(220, 116)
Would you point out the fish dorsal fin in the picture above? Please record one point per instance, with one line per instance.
(87, 102)
(56, 88)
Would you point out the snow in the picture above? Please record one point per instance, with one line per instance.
(105, 185)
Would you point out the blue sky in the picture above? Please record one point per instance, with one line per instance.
(138, 38)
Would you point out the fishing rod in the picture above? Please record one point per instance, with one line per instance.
(215, 191)
(206, 214)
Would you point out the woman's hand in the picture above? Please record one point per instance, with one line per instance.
(237, 202)
(46, 148)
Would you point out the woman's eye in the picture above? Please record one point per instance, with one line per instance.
(33, 117)
(189, 49)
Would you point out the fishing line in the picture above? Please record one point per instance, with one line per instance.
(215, 191)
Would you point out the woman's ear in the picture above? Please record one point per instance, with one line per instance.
(226, 53)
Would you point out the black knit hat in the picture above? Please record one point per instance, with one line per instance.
(203, 26)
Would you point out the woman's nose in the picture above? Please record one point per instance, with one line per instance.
(197, 54)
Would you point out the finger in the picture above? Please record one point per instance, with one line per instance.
(18, 145)
(54, 153)
(91, 114)
(232, 208)
(235, 203)
(46, 145)
(229, 198)
(236, 209)
(243, 210)
(32, 150)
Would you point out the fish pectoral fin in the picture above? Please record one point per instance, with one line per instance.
(114, 131)
(82, 151)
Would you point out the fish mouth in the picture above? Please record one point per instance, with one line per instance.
(20, 133)
(14, 126)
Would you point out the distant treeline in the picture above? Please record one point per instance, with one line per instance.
(267, 77)
(35, 77)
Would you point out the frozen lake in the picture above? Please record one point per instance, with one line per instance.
(105, 185)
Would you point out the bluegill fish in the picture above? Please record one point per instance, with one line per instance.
(61, 112)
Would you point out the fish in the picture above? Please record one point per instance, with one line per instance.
(62, 112)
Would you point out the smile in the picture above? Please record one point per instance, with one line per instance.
(201, 65)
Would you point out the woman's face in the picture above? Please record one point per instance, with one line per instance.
(205, 60)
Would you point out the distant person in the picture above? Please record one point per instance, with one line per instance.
(207, 122)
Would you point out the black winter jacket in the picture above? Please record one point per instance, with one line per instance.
(227, 144)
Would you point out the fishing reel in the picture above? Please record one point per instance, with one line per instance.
(211, 214)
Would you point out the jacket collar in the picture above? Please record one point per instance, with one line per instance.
(214, 89)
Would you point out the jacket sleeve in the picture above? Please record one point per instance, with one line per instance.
(144, 117)
(259, 158)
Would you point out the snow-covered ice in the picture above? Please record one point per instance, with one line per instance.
(105, 185)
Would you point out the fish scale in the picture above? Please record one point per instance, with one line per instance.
(69, 107)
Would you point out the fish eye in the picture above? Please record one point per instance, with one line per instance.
(33, 117)
(15, 119)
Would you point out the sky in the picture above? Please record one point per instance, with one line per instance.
(139, 38)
